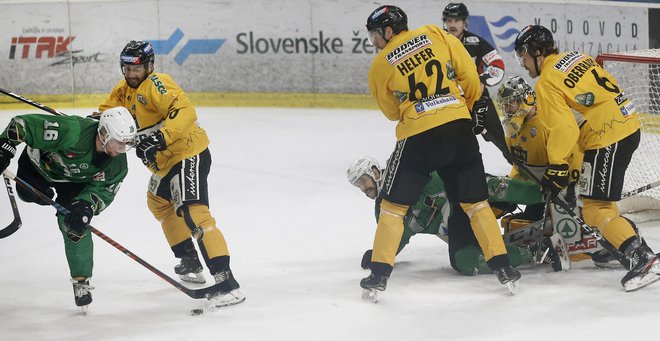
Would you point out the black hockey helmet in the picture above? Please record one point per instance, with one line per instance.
(388, 15)
(534, 38)
(455, 10)
(137, 52)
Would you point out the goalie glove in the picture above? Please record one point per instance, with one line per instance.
(147, 148)
(479, 112)
(555, 179)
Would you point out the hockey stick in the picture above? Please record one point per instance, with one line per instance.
(16, 223)
(559, 201)
(193, 293)
(641, 189)
(31, 102)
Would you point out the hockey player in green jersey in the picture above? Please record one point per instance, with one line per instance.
(430, 215)
(83, 160)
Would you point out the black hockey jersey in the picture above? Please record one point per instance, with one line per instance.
(489, 63)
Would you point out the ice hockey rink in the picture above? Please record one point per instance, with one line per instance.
(296, 231)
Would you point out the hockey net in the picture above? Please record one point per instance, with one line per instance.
(638, 73)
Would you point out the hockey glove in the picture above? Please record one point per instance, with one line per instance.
(80, 214)
(555, 179)
(479, 112)
(366, 259)
(147, 148)
(7, 152)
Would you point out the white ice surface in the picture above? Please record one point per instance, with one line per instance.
(296, 231)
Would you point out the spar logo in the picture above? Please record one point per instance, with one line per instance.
(505, 29)
(192, 46)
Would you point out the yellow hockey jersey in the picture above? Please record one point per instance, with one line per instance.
(417, 80)
(602, 114)
(528, 146)
(160, 104)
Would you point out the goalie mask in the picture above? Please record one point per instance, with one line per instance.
(361, 174)
(116, 130)
(516, 99)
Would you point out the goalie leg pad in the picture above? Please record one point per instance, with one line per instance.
(485, 228)
(605, 216)
(388, 232)
(510, 224)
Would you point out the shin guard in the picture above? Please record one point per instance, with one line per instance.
(388, 232)
(485, 228)
(604, 215)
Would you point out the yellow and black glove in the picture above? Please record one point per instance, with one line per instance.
(555, 179)
(479, 112)
(146, 149)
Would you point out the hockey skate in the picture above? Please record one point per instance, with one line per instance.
(190, 269)
(82, 293)
(229, 293)
(508, 276)
(645, 267)
(372, 285)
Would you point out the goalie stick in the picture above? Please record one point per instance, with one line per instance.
(16, 223)
(559, 201)
(193, 293)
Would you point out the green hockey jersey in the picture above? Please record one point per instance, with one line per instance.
(63, 149)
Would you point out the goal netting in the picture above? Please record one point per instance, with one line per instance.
(638, 73)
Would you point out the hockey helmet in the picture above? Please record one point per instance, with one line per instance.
(137, 52)
(455, 10)
(388, 15)
(361, 166)
(116, 125)
(516, 99)
(534, 38)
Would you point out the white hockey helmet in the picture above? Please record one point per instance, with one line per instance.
(363, 165)
(117, 124)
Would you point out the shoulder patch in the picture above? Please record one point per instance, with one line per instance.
(141, 99)
(491, 56)
(533, 132)
(586, 99)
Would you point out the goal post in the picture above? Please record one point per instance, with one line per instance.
(638, 73)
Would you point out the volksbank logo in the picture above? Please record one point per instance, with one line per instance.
(192, 46)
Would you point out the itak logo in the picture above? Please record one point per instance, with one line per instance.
(49, 47)
(192, 46)
(39, 47)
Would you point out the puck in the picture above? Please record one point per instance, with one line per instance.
(196, 312)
